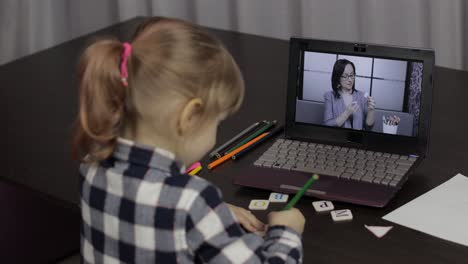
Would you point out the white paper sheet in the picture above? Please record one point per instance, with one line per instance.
(441, 212)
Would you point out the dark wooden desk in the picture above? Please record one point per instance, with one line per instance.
(39, 102)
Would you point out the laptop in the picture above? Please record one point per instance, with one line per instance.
(356, 114)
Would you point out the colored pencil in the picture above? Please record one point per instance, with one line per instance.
(216, 152)
(194, 166)
(247, 150)
(228, 156)
(301, 192)
(195, 171)
(255, 134)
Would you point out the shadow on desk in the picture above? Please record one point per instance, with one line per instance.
(34, 227)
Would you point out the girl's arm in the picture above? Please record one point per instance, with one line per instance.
(214, 236)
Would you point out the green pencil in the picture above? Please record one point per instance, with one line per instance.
(267, 126)
(301, 192)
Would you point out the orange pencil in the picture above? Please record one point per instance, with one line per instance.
(234, 152)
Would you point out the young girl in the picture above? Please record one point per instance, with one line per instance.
(147, 109)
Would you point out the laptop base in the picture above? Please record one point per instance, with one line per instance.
(329, 188)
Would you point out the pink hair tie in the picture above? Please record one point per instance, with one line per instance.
(123, 63)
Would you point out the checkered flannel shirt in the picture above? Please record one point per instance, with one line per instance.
(139, 207)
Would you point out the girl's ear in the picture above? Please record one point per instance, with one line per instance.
(189, 116)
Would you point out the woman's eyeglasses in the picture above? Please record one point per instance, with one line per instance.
(346, 77)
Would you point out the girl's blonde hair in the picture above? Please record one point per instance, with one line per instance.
(171, 59)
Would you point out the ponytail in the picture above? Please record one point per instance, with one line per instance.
(101, 101)
(169, 62)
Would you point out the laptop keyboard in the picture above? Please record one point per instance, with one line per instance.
(341, 162)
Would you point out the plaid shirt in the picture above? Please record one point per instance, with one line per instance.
(139, 207)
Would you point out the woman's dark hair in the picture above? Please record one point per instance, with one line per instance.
(338, 70)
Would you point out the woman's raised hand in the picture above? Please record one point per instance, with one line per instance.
(370, 103)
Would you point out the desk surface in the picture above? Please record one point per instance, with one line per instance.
(39, 99)
(33, 223)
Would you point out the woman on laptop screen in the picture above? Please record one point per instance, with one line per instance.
(344, 105)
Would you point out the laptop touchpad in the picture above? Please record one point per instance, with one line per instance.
(322, 186)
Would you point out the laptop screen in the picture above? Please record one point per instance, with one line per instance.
(360, 93)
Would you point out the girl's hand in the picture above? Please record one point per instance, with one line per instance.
(292, 218)
(370, 103)
(247, 219)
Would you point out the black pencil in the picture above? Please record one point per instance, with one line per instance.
(216, 153)
(265, 138)
(267, 126)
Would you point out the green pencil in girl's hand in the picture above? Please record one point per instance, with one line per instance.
(301, 192)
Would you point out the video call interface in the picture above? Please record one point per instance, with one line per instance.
(360, 93)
